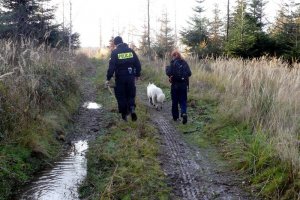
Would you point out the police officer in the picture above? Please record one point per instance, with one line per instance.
(179, 73)
(126, 66)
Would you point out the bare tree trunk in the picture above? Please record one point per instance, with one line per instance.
(100, 24)
(70, 34)
(227, 28)
(242, 31)
(63, 16)
(148, 35)
(175, 24)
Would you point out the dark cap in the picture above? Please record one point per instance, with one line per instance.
(118, 40)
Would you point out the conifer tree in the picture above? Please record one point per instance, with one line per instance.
(286, 31)
(195, 37)
(257, 11)
(25, 19)
(216, 33)
(31, 19)
(241, 33)
(144, 42)
(165, 40)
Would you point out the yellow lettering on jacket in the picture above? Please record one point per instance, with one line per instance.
(122, 56)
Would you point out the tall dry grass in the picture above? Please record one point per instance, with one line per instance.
(39, 90)
(263, 92)
(32, 80)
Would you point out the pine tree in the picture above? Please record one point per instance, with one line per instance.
(31, 19)
(165, 41)
(296, 16)
(60, 39)
(263, 45)
(216, 33)
(26, 19)
(286, 32)
(196, 36)
(280, 21)
(257, 11)
(144, 42)
(242, 31)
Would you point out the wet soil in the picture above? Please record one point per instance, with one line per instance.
(193, 173)
(88, 120)
(62, 179)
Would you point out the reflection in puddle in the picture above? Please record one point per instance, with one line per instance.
(62, 181)
(91, 105)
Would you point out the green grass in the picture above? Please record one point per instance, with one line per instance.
(123, 161)
(122, 164)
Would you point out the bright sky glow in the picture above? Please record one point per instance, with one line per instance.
(119, 16)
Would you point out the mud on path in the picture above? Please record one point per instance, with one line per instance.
(87, 122)
(191, 171)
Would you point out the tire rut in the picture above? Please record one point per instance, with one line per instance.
(191, 172)
(182, 175)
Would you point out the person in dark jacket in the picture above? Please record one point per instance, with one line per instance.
(126, 67)
(179, 73)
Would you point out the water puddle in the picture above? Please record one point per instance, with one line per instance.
(61, 182)
(92, 105)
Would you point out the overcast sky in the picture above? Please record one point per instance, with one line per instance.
(117, 16)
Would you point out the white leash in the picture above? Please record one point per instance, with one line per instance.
(109, 89)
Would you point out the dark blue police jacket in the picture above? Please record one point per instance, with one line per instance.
(123, 62)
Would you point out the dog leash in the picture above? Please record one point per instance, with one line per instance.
(109, 89)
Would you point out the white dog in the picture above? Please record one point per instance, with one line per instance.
(155, 95)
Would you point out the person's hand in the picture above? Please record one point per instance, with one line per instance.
(106, 84)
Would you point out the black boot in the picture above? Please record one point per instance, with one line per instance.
(133, 114)
(124, 116)
(184, 118)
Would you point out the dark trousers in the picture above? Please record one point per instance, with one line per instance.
(125, 92)
(179, 96)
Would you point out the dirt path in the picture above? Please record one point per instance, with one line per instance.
(87, 122)
(192, 172)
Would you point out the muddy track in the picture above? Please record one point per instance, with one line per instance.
(192, 173)
(87, 122)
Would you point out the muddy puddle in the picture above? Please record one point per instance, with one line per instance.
(92, 105)
(60, 182)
